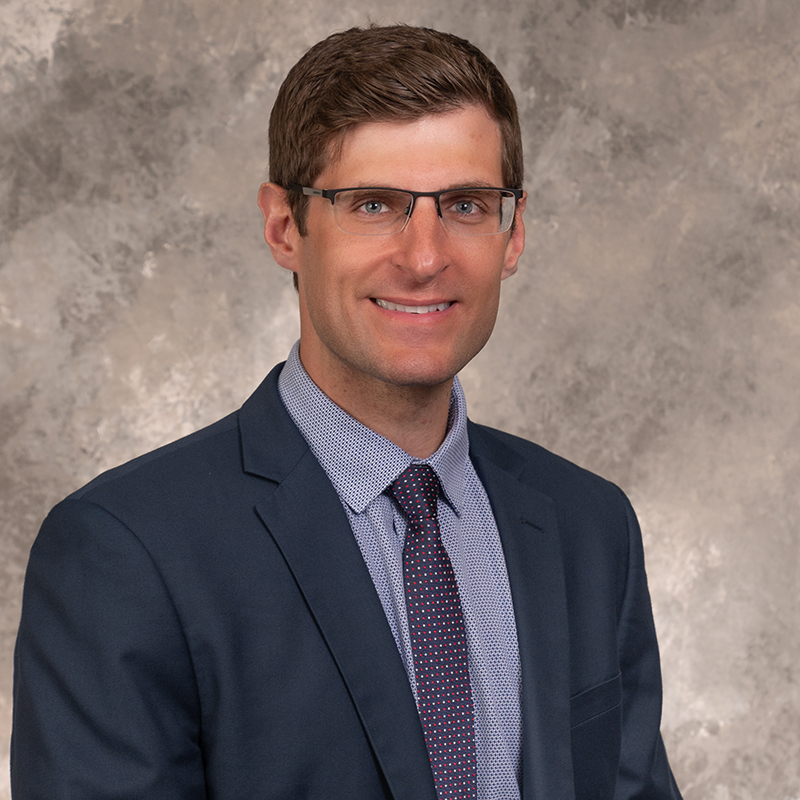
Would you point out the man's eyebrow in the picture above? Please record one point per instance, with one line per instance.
(470, 185)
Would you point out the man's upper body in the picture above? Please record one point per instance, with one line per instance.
(226, 617)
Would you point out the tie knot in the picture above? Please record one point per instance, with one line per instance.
(416, 490)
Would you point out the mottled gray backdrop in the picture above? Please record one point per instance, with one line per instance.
(652, 333)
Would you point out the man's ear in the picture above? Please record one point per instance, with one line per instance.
(516, 242)
(280, 231)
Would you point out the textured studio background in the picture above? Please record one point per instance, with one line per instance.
(652, 333)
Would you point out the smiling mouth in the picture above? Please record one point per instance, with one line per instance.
(412, 309)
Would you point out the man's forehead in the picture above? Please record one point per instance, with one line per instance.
(424, 133)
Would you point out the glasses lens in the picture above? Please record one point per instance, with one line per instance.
(477, 211)
(371, 212)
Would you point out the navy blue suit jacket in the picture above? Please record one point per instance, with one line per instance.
(200, 623)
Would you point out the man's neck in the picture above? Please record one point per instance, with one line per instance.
(413, 417)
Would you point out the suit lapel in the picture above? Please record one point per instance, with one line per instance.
(305, 518)
(530, 538)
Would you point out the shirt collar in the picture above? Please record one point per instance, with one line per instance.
(360, 463)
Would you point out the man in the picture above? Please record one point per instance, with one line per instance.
(344, 589)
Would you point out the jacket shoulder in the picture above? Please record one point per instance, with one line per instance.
(201, 446)
(550, 473)
(256, 439)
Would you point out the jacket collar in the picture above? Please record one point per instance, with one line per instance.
(263, 421)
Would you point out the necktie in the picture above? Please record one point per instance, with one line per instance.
(438, 639)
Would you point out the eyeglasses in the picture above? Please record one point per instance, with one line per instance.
(372, 211)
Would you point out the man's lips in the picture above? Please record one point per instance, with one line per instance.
(412, 309)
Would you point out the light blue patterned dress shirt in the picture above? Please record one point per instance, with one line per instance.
(361, 464)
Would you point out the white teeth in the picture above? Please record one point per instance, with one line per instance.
(412, 309)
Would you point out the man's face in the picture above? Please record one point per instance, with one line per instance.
(349, 337)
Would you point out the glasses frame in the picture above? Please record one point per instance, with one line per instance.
(330, 194)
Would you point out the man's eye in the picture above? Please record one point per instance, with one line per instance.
(468, 206)
(373, 207)
(465, 207)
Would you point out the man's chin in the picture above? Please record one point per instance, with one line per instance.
(419, 373)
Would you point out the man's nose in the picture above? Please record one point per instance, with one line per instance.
(424, 242)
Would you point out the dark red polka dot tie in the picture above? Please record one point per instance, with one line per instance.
(438, 639)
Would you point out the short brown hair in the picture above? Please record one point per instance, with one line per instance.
(380, 74)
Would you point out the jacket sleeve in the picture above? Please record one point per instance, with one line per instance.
(644, 772)
(105, 701)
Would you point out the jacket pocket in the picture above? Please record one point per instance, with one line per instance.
(596, 720)
(595, 701)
